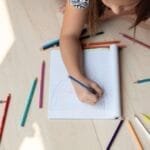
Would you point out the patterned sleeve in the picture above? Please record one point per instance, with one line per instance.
(80, 3)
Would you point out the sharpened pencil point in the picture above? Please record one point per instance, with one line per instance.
(41, 49)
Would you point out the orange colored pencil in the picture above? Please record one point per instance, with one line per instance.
(102, 43)
(101, 46)
(136, 139)
(4, 115)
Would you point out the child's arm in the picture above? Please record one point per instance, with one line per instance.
(74, 20)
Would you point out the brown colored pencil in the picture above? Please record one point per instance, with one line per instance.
(135, 40)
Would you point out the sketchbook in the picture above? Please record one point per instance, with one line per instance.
(102, 66)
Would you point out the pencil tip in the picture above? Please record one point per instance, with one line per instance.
(43, 61)
(41, 48)
(144, 115)
(36, 79)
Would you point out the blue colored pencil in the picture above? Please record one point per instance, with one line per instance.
(83, 85)
(114, 135)
(56, 41)
(143, 81)
(50, 44)
(28, 103)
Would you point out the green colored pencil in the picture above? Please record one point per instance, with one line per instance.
(143, 81)
(28, 103)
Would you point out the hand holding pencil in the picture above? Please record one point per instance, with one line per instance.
(87, 90)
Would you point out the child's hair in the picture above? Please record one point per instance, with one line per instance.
(97, 9)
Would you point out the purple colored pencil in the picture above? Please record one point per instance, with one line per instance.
(114, 135)
(42, 84)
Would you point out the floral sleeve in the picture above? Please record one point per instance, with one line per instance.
(80, 3)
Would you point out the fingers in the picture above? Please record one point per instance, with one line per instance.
(97, 88)
(88, 96)
(91, 99)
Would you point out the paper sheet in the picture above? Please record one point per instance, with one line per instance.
(101, 65)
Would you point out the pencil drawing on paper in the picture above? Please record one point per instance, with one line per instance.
(61, 92)
(63, 96)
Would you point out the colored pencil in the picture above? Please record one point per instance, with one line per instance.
(142, 126)
(136, 139)
(114, 135)
(42, 84)
(4, 115)
(135, 40)
(28, 103)
(55, 42)
(102, 42)
(102, 46)
(143, 81)
(91, 90)
(146, 117)
(50, 44)
(89, 36)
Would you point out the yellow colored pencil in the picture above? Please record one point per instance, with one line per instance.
(146, 117)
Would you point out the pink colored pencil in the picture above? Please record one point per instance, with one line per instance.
(4, 115)
(42, 84)
(135, 40)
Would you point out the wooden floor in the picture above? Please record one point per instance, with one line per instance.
(24, 26)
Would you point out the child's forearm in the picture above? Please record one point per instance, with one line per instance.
(72, 55)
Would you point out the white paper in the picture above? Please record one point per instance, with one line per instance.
(101, 65)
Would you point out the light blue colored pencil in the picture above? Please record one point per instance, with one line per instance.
(28, 103)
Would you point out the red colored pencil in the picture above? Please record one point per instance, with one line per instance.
(135, 40)
(42, 85)
(4, 115)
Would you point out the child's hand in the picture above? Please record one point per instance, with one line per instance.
(84, 95)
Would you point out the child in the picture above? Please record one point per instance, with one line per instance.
(81, 12)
